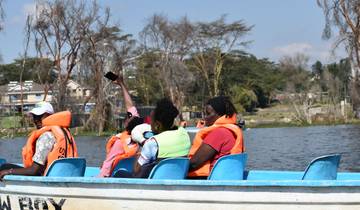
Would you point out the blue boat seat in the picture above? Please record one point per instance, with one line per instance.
(2, 161)
(171, 168)
(126, 164)
(67, 167)
(229, 167)
(322, 168)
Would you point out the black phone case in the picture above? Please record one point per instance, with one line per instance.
(111, 76)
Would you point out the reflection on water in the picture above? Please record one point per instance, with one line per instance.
(268, 148)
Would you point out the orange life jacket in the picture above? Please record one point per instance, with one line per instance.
(65, 146)
(129, 149)
(224, 122)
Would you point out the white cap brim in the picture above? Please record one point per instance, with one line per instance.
(38, 111)
(42, 108)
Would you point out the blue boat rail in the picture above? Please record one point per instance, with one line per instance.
(206, 183)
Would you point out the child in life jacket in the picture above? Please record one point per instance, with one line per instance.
(120, 146)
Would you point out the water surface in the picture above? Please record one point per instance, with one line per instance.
(268, 148)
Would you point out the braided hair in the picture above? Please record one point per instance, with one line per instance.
(222, 106)
(165, 112)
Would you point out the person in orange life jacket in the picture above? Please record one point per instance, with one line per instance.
(120, 146)
(52, 140)
(168, 141)
(221, 137)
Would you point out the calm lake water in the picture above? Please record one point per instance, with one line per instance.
(267, 148)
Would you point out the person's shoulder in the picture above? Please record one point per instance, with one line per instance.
(47, 135)
(222, 130)
(47, 139)
(150, 141)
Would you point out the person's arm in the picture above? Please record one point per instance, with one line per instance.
(212, 145)
(147, 155)
(127, 98)
(203, 154)
(137, 166)
(44, 145)
(34, 170)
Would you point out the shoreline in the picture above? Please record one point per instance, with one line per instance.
(10, 133)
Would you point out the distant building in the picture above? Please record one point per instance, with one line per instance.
(75, 90)
(32, 93)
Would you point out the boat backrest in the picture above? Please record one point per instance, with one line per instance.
(2, 161)
(126, 164)
(170, 168)
(229, 167)
(323, 168)
(67, 167)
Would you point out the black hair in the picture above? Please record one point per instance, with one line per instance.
(133, 123)
(222, 106)
(165, 112)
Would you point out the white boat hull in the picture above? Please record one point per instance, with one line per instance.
(93, 193)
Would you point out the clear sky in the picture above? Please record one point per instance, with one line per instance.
(281, 27)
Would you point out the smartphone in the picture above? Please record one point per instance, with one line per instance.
(111, 76)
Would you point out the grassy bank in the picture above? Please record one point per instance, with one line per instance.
(10, 122)
(276, 116)
(283, 115)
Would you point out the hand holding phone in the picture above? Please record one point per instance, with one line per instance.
(111, 76)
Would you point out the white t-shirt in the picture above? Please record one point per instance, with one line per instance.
(44, 145)
(148, 152)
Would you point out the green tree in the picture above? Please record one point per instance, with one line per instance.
(318, 75)
(248, 74)
(212, 42)
(36, 69)
(244, 99)
(344, 16)
(342, 72)
(144, 80)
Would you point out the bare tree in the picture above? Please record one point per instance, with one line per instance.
(26, 48)
(298, 86)
(2, 14)
(344, 15)
(334, 94)
(170, 42)
(104, 49)
(212, 41)
(59, 29)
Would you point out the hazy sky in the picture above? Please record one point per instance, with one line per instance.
(281, 27)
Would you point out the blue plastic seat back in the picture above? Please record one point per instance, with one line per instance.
(171, 168)
(126, 164)
(229, 167)
(2, 161)
(323, 168)
(67, 167)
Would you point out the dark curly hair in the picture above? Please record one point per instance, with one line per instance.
(165, 112)
(222, 106)
(133, 123)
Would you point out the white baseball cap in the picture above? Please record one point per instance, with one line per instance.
(41, 108)
(137, 134)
